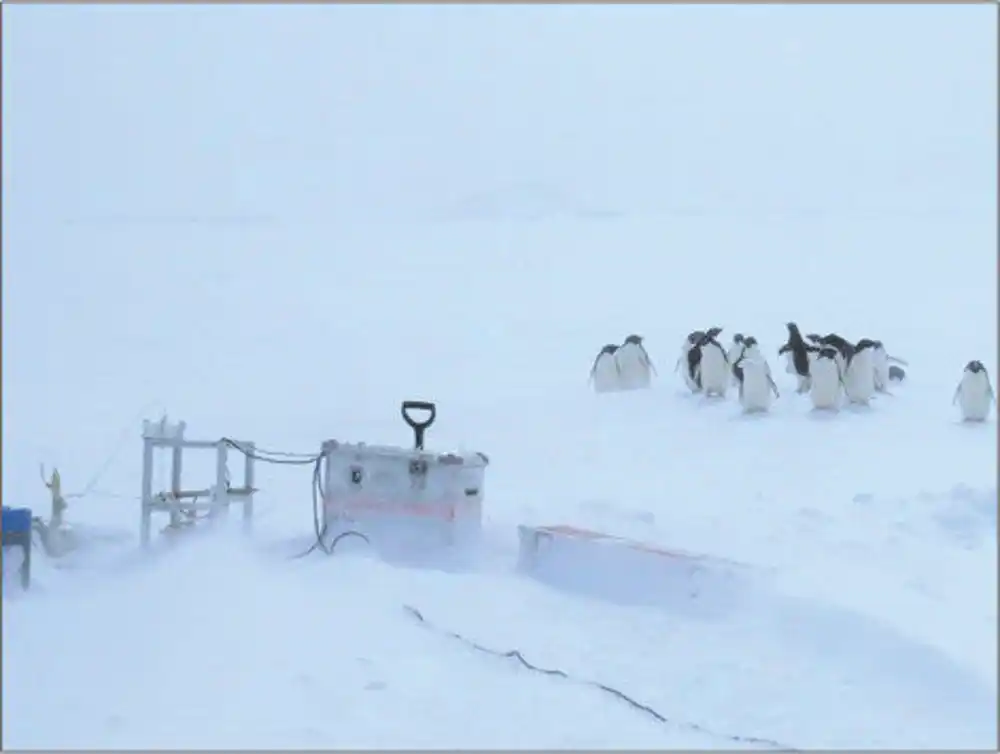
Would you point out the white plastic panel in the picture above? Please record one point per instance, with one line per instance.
(391, 493)
(629, 572)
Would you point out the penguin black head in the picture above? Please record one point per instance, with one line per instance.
(878, 344)
(695, 335)
(827, 352)
(738, 338)
(843, 345)
(814, 337)
(608, 350)
(864, 343)
(975, 366)
(713, 332)
(793, 329)
(635, 340)
(749, 342)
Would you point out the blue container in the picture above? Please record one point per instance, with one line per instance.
(16, 529)
(16, 520)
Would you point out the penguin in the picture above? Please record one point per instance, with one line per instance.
(888, 368)
(689, 358)
(880, 363)
(974, 393)
(756, 385)
(713, 368)
(845, 349)
(751, 347)
(859, 377)
(635, 368)
(605, 373)
(799, 356)
(735, 352)
(748, 348)
(826, 380)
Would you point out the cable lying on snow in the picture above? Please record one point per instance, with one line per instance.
(516, 655)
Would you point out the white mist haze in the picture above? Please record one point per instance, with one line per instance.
(277, 222)
(349, 112)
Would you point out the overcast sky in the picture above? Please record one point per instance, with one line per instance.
(351, 111)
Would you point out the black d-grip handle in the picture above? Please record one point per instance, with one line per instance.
(418, 427)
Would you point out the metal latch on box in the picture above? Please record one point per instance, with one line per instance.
(418, 473)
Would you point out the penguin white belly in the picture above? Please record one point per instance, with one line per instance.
(714, 370)
(824, 390)
(605, 375)
(842, 364)
(880, 364)
(692, 385)
(756, 394)
(974, 396)
(859, 380)
(790, 363)
(634, 369)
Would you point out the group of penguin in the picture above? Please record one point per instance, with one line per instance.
(832, 370)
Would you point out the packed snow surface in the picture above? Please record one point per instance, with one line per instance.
(276, 224)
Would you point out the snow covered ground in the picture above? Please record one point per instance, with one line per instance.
(217, 267)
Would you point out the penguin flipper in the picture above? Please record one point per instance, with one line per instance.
(958, 390)
(773, 386)
(649, 361)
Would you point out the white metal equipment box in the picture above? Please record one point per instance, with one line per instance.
(401, 497)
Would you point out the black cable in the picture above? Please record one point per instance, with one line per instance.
(646, 709)
(320, 529)
(278, 457)
(318, 494)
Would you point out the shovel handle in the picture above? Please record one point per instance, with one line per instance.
(418, 426)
